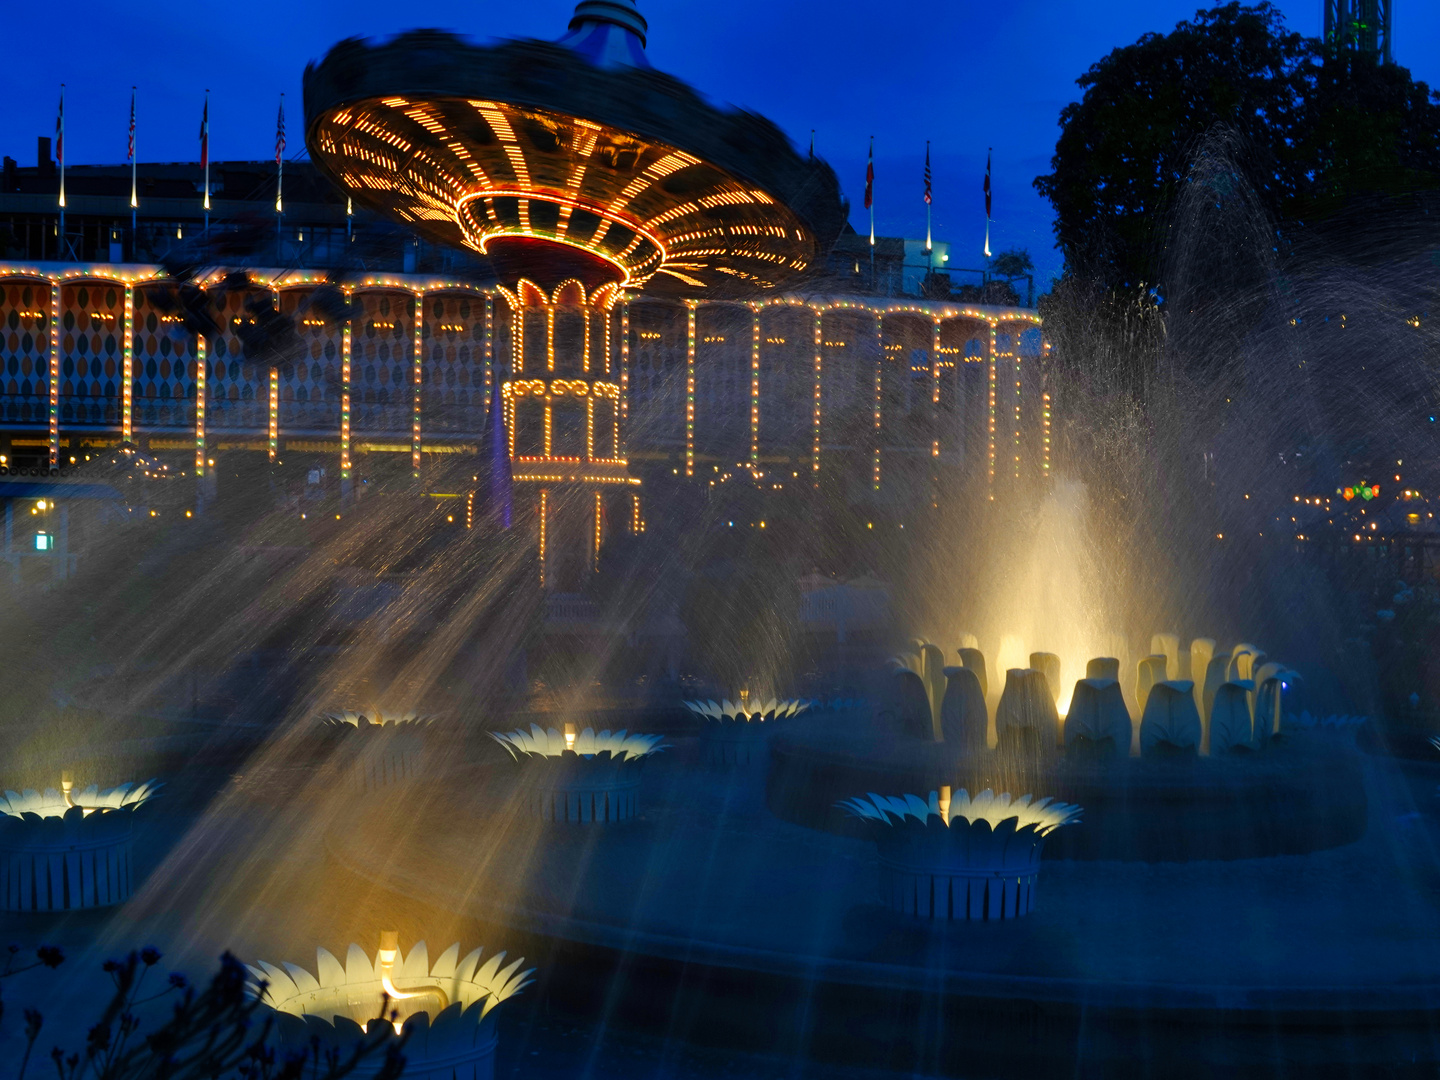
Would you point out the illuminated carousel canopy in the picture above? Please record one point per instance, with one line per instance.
(563, 160)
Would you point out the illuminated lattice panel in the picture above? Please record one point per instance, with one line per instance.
(453, 394)
(848, 355)
(962, 380)
(90, 348)
(382, 355)
(237, 393)
(24, 349)
(92, 333)
(906, 404)
(310, 382)
(722, 388)
(657, 374)
(164, 362)
(477, 171)
(787, 387)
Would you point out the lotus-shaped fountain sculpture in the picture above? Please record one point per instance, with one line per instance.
(735, 734)
(67, 849)
(958, 857)
(584, 777)
(446, 1008)
(384, 748)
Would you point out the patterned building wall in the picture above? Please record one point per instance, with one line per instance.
(722, 385)
(92, 331)
(935, 404)
(164, 359)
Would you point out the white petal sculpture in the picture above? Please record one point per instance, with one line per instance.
(1148, 672)
(973, 659)
(1168, 646)
(1048, 664)
(1229, 718)
(1027, 706)
(1103, 667)
(958, 857)
(584, 777)
(1170, 722)
(733, 736)
(1217, 672)
(1098, 722)
(1202, 651)
(964, 717)
(63, 850)
(386, 748)
(446, 1009)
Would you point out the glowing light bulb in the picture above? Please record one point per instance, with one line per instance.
(570, 737)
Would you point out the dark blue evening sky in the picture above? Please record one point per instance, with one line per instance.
(965, 75)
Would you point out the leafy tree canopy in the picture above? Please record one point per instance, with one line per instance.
(1013, 263)
(1316, 129)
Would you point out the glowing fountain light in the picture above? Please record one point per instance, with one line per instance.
(958, 857)
(585, 777)
(446, 1008)
(61, 850)
(734, 734)
(385, 748)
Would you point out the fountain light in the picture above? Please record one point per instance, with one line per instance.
(957, 857)
(733, 733)
(592, 776)
(446, 1008)
(61, 850)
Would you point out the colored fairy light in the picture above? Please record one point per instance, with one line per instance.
(127, 388)
(879, 371)
(1045, 433)
(689, 388)
(990, 449)
(345, 336)
(489, 347)
(201, 372)
(599, 521)
(274, 425)
(418, 372)
(544, 528)
(624, 360)
(819, 360)
(755, 388)
(935, 393)
(55, 369)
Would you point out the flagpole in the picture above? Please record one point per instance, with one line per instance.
(928, 245)
(134, 199)
(870, 202)
(205, 141)
(280, 181)
(60, 155)
(988, 152)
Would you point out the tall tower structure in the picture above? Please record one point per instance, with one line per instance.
(582, 174)
(1363, 26)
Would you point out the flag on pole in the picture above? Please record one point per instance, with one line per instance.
(870, 176)
(205, 155)
(134, 199)
(870, 193)
(60, 149)
(928, 245)
(987, 201)
(280, 157)
(280, 134)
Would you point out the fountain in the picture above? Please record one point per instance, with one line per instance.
(958, 857)
(586, 777)
(385, 748)
(446, 1008)
(67, 849)
(734, 734)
